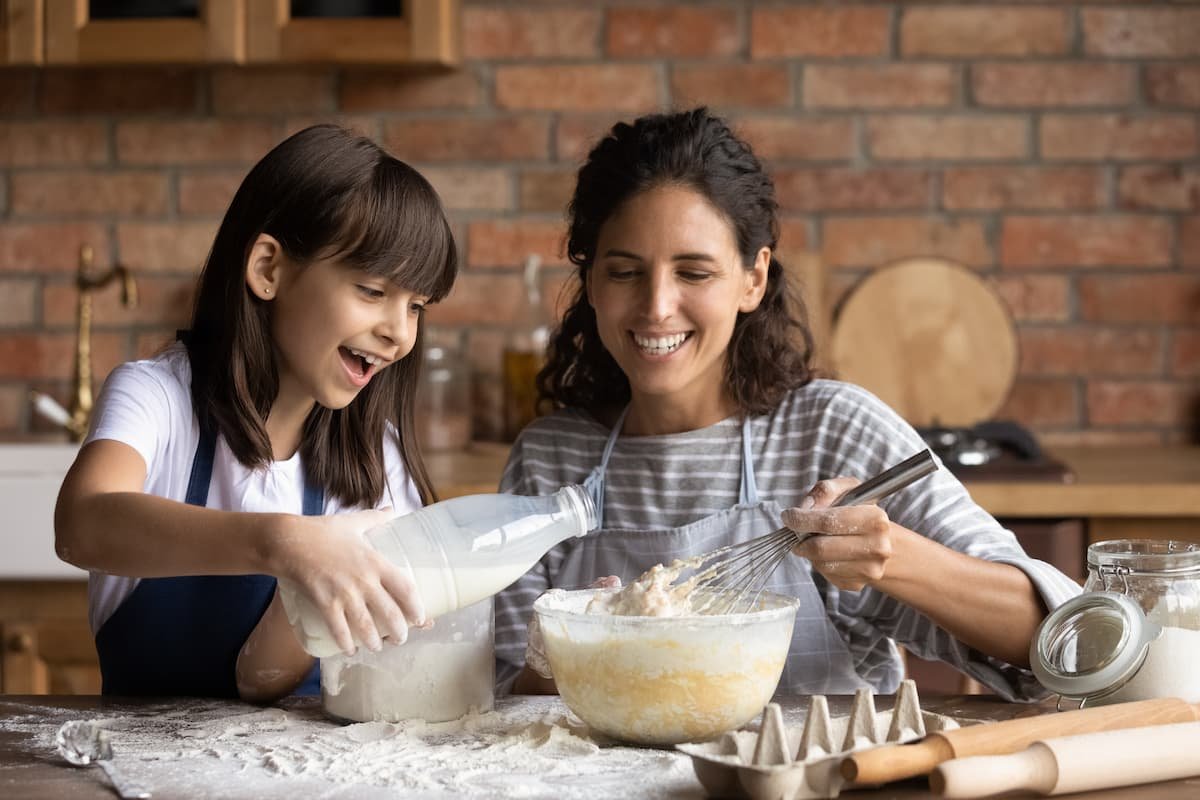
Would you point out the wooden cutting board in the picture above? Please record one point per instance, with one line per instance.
(931, 339)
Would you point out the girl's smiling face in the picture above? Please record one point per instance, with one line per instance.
(667, 285)
(335, 327)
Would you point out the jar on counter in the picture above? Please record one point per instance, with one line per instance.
(1134, 634)
(439, 674)
(444, 396)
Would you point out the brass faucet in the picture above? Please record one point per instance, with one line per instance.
(87, 283)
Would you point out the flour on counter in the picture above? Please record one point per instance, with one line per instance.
(531, 749)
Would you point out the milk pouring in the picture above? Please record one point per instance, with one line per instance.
(458, 552)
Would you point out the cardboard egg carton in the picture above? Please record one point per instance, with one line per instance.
(791, 762)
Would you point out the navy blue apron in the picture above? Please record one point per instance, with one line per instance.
(182, 635)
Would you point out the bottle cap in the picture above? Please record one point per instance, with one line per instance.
(1091, 645)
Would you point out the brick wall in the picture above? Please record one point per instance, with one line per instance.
(1052, 146)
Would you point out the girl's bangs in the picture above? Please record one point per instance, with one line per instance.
(395, 228)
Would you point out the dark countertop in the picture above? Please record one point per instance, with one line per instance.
(189, 760)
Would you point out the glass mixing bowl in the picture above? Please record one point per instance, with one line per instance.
(665, 680)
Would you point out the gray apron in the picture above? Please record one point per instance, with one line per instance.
(818, 659)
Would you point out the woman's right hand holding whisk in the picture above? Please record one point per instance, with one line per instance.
(854, 543)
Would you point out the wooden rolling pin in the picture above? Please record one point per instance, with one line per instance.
(894, 762)
(1077, 763)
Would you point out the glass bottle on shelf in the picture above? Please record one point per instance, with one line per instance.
(524, 354)
(444, 395)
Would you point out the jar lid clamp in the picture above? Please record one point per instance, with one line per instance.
(1091, 645)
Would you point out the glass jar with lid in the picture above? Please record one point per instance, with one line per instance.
(1134, 634)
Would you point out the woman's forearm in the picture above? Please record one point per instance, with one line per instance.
(991, 607)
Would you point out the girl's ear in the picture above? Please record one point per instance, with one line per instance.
(756, 281)
(263, 267)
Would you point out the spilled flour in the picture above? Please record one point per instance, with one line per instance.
(531, 748)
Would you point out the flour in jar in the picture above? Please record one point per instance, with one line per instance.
(439, 674)
(1172, 665)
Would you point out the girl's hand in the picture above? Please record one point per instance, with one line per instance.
(362, 595)
(856, 541)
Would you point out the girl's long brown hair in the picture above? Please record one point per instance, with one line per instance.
(322, 193)
(770, 351)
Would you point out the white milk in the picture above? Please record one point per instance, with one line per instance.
(458, 552)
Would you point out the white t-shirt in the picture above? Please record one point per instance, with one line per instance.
(148, 406)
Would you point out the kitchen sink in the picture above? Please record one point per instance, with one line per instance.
(30, 475)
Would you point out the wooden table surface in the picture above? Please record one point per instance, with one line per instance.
(29, 767)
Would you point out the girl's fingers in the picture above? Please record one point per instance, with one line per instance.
(404, 594)
(388, 618)
(363, 625)
(607, 582)
(335, 619)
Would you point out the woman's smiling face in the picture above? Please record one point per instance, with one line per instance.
(667, 286)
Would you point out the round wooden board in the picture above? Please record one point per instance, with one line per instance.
(931, 339)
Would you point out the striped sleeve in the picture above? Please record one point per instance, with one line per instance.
(941, 509)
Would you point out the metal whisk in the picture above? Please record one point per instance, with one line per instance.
(737, 573)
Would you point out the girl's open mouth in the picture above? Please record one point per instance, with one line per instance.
(359, 369)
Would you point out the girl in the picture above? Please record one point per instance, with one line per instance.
(229, 458)
(686, 400)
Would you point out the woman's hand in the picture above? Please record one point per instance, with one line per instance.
(361, 594)
(855, 542)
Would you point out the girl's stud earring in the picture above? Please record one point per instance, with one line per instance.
(267, 290)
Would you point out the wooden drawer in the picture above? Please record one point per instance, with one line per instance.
(46, 646)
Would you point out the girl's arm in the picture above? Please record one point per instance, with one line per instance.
(989, 606)
(105, 522)
(271, 662)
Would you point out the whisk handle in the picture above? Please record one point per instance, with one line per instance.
(890, 480)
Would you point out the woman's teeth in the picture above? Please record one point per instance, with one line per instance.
(660, 345)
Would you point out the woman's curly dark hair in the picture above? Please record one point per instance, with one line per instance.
(771, 347)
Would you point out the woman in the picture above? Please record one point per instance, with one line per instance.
(684, 399)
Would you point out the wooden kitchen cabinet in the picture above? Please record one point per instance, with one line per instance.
(282, 32)
(231, 31)
(22, 32)
(213, 34)
(79, 32)
(46, 646)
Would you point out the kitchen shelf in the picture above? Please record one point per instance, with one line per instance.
(260, 32)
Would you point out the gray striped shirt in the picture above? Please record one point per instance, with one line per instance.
(822, 430)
